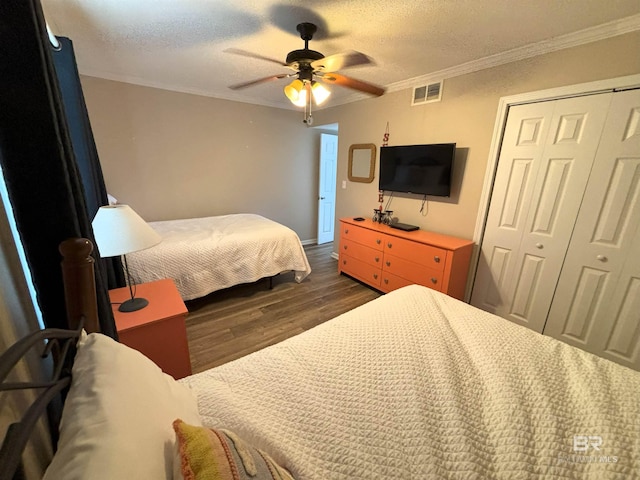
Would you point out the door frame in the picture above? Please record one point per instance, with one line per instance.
(590, 88)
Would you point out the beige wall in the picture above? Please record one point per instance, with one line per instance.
(174, 155)
(466, 115)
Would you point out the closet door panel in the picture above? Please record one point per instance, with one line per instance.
(537, 233)
(623, 342)
(596, 305)
(523, 146)
(586, 300)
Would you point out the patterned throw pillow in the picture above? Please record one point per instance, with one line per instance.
(216, 454)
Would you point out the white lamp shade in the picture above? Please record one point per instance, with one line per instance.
(119, 230)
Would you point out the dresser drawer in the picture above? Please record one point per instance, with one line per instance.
(431, 257)
(393, 282)
(363, 236)
(360, 270)
(361, 252)
(413, 272)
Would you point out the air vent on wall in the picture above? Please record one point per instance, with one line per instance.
(427, 93)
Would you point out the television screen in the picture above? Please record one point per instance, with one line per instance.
(420, 169)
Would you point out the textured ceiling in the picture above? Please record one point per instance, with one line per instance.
(180, 44)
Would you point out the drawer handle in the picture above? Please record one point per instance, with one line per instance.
(377, 259)
(436, 259)
(345, 247)
(378, 241)
(389, 245)
(346, 231)
(388, 263)
(344, 262)
(386, 281)
(375, 275)
(434, 280)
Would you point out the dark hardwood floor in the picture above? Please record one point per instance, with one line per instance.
(231, 323)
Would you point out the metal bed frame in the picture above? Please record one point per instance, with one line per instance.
(60, 345)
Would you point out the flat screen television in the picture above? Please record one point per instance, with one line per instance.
(420, 169)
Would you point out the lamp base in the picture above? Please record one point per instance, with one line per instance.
(133, 304)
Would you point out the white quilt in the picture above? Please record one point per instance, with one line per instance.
(418, 385)
(203, 255)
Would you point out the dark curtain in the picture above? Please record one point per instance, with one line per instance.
(84, 148)
(37, 154)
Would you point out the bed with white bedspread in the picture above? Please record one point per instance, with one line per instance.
(418, 385)
(206, 254)
(414, 385)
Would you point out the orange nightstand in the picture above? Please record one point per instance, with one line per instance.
(158, 330)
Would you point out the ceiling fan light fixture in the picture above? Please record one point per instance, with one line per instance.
(320, 93)
(294, 91)
(309, 64)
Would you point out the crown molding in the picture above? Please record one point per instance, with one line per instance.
(593, 34)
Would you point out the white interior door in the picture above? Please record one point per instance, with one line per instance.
(597, 302)
(546, 157)
(327, 187)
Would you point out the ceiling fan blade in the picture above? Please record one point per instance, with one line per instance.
(336, 78)
(239, 86)
(341, 61)
(244, 53)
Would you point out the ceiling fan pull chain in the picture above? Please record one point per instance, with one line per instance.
(308, 118)
(304, 120)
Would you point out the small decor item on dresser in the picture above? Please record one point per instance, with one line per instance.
(377, 215)
(388, 217)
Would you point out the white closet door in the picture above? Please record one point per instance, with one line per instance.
(597, 302)
(546, 156)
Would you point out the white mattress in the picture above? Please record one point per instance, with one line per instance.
(418, 385)
(203, 255)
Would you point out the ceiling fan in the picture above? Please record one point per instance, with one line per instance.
(310, 66)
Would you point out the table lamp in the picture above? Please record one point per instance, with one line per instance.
(119, 230)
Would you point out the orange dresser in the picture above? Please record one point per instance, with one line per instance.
(158, 330)
(387, 258)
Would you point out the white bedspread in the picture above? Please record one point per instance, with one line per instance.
(203, 255)
(417, 385)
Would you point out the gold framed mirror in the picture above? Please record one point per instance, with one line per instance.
(362, 162)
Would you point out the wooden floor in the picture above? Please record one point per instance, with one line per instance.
(231, 323)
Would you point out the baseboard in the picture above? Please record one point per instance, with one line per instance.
(334, 255)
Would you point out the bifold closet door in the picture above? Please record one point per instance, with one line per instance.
(597, 301)
(547, 152)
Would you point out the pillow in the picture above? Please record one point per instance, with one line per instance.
(116, 421)
(212, 454)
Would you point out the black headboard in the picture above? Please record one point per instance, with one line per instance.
(60, 345)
